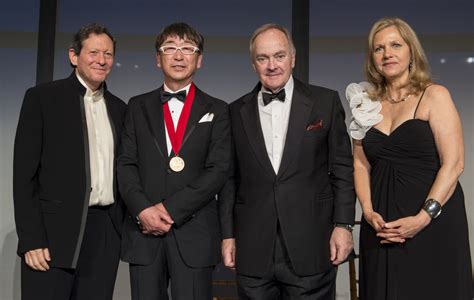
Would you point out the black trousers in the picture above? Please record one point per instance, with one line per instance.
(94, 276)
(281, 282)
(150, 282)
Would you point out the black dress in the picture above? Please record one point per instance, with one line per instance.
(436, 263)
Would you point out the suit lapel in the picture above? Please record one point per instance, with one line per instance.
(115, 122)
(301, 107)
(253, 129)
(113, 119)
(199, 108)
(153, 113)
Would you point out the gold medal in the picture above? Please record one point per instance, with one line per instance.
(176, 164)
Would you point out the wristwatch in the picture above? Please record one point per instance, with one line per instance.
(432, 207)
(348, 227)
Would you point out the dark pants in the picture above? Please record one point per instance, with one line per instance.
(150, 282)
(281, 282)
(94, 276)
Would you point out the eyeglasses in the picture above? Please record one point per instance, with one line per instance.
(186, 50)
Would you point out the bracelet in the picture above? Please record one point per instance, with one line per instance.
(432, 207)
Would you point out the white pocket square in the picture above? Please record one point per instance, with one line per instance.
(207, 118)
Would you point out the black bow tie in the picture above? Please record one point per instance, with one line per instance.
(166, 96)
(269, 97)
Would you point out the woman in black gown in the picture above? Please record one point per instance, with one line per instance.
(408, 155)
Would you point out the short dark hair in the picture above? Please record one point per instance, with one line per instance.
(182, 30)
(84, 33)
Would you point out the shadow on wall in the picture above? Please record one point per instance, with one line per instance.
(10, 265)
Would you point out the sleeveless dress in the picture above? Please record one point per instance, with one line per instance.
(436, 263)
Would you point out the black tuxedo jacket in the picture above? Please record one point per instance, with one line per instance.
(189, 196)
(312, 190)
(51, 171)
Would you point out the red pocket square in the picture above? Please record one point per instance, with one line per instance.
(315, 126)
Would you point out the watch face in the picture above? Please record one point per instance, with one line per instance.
(345, 226)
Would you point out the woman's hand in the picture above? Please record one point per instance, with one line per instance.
(404, 228)
(375, 220)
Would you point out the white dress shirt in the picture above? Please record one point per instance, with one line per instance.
(274, 119)
(101, 146)
(176, 107)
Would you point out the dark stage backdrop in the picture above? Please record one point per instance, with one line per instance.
(338, 31)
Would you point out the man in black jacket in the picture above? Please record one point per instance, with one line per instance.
(67, 209)
(175, 156)
(287, 213)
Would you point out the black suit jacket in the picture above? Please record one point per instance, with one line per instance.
(312, 190)
(190, 195)
(51, 173)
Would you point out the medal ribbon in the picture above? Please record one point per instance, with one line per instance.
(176, 137)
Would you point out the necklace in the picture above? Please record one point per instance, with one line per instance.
(399, 100)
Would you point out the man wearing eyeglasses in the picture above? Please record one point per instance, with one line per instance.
(289, 208)
(175, 157)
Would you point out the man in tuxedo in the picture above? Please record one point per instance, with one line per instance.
(67, 209)
(287, 212)
(175, 157)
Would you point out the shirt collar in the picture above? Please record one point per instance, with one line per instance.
(96, 95)
(288, 88)
(167, 89)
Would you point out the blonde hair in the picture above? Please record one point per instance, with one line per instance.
(419, 76)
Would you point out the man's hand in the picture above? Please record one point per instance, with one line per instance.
(228, 253)
(340, 245)
(164, 213)
(37, 259)
(155, 220)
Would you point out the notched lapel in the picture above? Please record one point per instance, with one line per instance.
(301, 107)
(199, 108)
(113, 119)
(153, 112)
(253, 129)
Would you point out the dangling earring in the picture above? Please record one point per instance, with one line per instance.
(410, 65)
